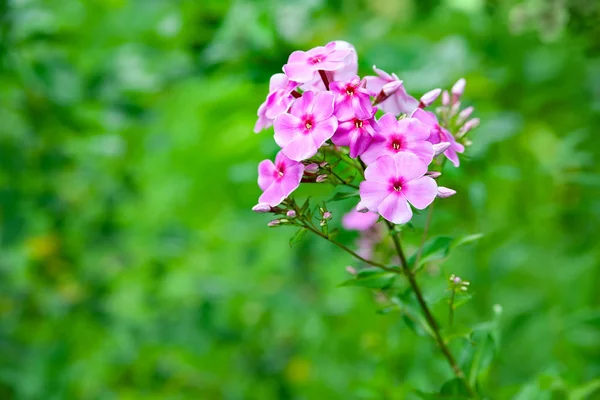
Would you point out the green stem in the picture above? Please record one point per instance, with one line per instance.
(428, 315)
(451, 309)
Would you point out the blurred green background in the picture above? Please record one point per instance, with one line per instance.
(131, 266)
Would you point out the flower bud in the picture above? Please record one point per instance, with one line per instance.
(323, 164)
(444, 192)
(311, 168)
(439, 148)
(273, 223)
(471, 124)
(321, 178)
(458, 89)
(428, 98)
(433, 174)
(361, 208)
(327, 215)
(454, 109)
(391, 87)
(262, 208)
(291, 214)
(464, 114)
(351, 270)
(445, 98)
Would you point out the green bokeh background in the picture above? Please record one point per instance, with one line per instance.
(131, 266)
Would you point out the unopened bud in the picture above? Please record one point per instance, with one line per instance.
(458, 89)
(323, 222)
(273, 223)
(433, 174)
(445, 98)
(321, 178)
(361, 208)
(327, 215)
(464, 114)
(262, 208)
(323, 164)
(439, 148)
(444, 192)
(454, 109)
(391, 87)
(311, 168)
(291, 214)
(428, 98)
(351, 270)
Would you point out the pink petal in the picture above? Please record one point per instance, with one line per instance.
(266, 174)
(303, 105)
(322, 106)
(341, 136)
(382, 170)
(298, 56)
(361, 103)
(395, 209)
(359, 142)
(278, 81)
(300, 148)
(388, 123)
(286, 126)
(420, 192)
(423, 150)
(376, 149)
(426, 117)
(372, 194)
(413, 128)
(375, 83)
(262, 122)
(299, 71)
(408, 166)
(358, 221)
(323, 130)
(452, 156)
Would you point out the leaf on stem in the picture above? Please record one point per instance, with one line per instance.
(298, 236)
(373, 278)
(344, 195)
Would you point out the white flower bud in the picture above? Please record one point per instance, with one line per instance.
(444, 192)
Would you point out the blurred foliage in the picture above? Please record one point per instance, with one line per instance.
(131, 266)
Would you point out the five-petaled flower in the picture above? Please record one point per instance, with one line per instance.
(308, 125)
(352, 99)
(404, 135)
(279, 179)
(277, 102)
(357, 134)
(302, 66)
(438, 134)
(393, 97)
(392, 182)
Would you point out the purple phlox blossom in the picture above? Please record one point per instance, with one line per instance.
(357, 134)
(404, 135)
(303, 66)
(392, 182)
(439, 134)
(352, 99)
(308, 125)
(278, 179)
(345, 72)
(358, 221)
(277, 102)
(396, 100)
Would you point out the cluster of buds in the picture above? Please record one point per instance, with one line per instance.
(456, 283)
(455, 117)
(319, 107)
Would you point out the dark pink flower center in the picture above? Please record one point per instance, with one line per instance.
(397, 184)
(279, 171)
(358, 123)
(397, 143)
(350, 90)
(309, 123)
(315, 59)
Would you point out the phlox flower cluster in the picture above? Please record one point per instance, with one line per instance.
(320, 106)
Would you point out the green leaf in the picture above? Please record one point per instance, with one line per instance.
(298, 236)
(435, 248)
(305, 206)
(586, 390)
(455, 389)
(467, 240)
(485, 350)
(372, 278)
(344, 195)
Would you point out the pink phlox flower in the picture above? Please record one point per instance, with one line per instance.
(392, 182)
(439, 134)
(345, 72)
(356, 133)
(278, 179)
(395, 136)
(302, 66)
(308, 125)
(397, 101)
(358, 221)
(352, 99)
(277, 102)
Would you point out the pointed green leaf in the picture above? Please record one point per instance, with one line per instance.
(372, 278)
(344, 195)
(298, 236)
